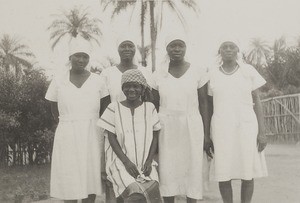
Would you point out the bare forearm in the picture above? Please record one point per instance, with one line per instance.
(259, 112)
(112, 138)
(154, 146)
(54, 111)
(156, 99)
(104, 102)
(204, 110)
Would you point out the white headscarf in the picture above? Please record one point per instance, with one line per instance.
(131, 38)
(230, 38)
(164, 66)
(79, 44)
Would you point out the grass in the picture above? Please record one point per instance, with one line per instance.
(24, 184)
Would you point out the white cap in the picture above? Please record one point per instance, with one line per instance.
(173, 37)
(229, 38)
(78, 45)
(126, 37)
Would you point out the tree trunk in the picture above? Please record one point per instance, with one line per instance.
(144, 63)
(153, 33)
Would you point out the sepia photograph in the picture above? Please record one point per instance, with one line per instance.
(149, 101)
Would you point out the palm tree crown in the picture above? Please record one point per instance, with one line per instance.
(14, 54)
(258, 52)
(155, 21)
(73, 23)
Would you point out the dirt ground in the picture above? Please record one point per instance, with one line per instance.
(281, 186)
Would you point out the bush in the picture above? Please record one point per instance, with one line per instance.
(26, 118)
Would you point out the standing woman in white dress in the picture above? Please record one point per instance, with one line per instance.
(112, 75)
(182, 92)
(238, 131)
(75, 103)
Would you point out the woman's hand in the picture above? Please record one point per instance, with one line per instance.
(131, 169)
(208, 147)
(261, 142)
(147, 168)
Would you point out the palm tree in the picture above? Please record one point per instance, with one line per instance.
(14, 54)
(258, 53)
(154, 20)
(73, 23)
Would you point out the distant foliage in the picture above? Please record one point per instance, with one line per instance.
(279, 64)
(25, 118)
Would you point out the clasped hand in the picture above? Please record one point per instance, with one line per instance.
(134, 172)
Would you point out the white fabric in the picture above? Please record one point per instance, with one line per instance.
(175, 36)
(229, 38)
(134, 134)
(75, 169)
(181, 137)
(234, 125)
(78, 45)
(127, 37)
(112, 77)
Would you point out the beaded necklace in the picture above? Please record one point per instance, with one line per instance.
(231, 72)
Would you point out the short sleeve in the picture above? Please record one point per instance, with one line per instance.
(107, 120)
(155, 80)
(155, 119)
(209, 89)
(52, 91)
(256, 79)
(103, 89)
(202, 78)
(148, 75)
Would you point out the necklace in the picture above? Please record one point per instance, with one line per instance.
(231, 72)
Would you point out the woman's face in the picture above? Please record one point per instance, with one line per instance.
(176, 50)
(228, 51)
(126, 50)
(132, 90)
(79, 60)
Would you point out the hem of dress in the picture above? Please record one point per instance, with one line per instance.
(238, 178)
(79, 197)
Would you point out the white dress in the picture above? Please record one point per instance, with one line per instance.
(75, 168)
(234, 125)
(134, 134)
(181, 136)
(112, 77)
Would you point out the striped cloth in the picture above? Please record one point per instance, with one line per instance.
(134, 134)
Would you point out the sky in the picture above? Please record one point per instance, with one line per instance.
(244, 19)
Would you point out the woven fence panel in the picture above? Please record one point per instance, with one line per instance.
(282, 118)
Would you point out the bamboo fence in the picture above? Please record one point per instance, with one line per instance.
(282, 118)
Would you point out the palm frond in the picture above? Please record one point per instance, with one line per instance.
(122, 5)
(179, 15)
(72, 23)
(191, 4)
(58, 39)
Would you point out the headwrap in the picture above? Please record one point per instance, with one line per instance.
(135, 75)
(234, 40)
(173, 37)
(164, 65)
(126, 37)
(131, 38)
(230, 39)
(78, 45)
